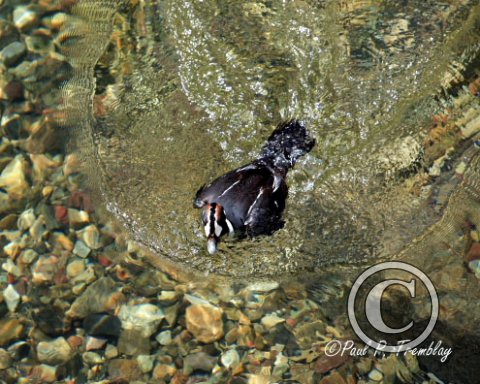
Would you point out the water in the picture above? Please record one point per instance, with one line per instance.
(186, 92)
(168, 95)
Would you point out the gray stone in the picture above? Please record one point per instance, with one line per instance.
(12, 53)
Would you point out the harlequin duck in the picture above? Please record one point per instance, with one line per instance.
(250, 200)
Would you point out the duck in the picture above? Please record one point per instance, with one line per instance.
(249, 201)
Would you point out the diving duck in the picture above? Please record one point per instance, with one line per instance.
(250, 200)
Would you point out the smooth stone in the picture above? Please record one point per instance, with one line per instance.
(10, 329)
(101, 296)
(100, 324)
(111, 352)
(90, 235)
(164, 371)
(205, 322)
(11, 297)
(38, 230)
(12, 250)
(13, 53)
(145, 362)
(81, 249)
(23, 17)
(263, 286)
(92, 358)
(77, 218)
(200, 361)
(5, 359)
(375, 375)
(43, 373)
(60, 240)
(164, 338)
(230, 358)
(270, 321)
(13, 178)
(93, 343)
(26, 219)
(54, 352)
(167, 297)
(75, 268)
(86, 277)
(124, 369)
(142, 317)
(27, 257)
(44, 269)
(8, 222)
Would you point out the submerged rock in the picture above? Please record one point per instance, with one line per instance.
(54, 352)
(199, 361)
(24, 17)
(11, 297)
(10, 329)
(124, 369)
(13, 178)
(143, 317)
(101, 296)
(12, 53)
(205, 322)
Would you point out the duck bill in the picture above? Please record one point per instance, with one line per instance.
(212, 245)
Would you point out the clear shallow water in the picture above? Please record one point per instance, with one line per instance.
(186, 92)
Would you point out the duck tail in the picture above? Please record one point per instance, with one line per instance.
(288, 142)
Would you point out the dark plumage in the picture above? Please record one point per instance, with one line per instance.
(251, 199)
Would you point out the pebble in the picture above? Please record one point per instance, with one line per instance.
(90, 235)
(230, 358)
(164, 371)
(13, 53)
(44, 269)
(205, 322)
(77, 218)
(54, 352)
(100, 296)
(26, 219)
(43, 373)
(142, 317)
(27, 256)
(124, 369)
(5, 359)
(145, 362)
(375, 375)
(92, 358)
(12, 250)
(93, 343)
(264, 286)
(111, 352)
(75, 268)
(13, 178)
(11, 297)
(270, 321)
(81, 249)
(164, 338)
(200, 361)
(10, 329)
(24, 17)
